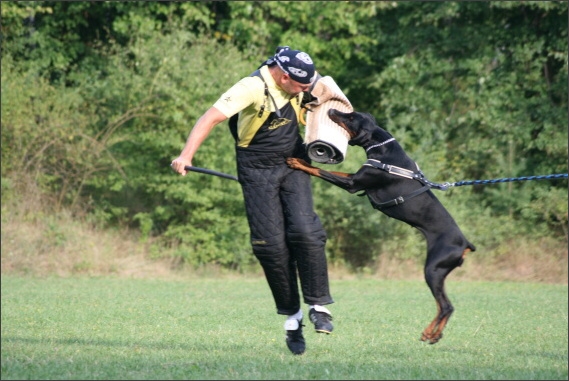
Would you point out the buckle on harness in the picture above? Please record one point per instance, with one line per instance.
(399, 200)
(399, 171)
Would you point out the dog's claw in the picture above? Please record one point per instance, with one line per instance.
(292, 162)
(431, 339)
(296, 163)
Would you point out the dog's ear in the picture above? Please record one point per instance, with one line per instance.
(371, 118)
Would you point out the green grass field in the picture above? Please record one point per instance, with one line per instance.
(204, 328)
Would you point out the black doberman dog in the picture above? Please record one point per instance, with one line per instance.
(395, 185)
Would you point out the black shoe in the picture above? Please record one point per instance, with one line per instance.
(322, 321)
(295, 340)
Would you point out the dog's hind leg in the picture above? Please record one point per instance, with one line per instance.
(434, 331)
(436, 272)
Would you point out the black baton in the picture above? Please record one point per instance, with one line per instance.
(210, 172)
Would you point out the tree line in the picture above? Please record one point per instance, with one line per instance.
(99, 97)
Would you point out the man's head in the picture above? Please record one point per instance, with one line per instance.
(293, 70)
(296, 64)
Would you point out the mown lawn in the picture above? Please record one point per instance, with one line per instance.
(204, 328)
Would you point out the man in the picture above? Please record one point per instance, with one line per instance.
(286, 234)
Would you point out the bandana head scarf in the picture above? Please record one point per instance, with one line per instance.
(298, 65)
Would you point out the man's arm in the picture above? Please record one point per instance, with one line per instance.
(199, 133)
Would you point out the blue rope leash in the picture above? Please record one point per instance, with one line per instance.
(494, 181)
(420, 176)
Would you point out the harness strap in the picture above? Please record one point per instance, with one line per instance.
(419, 176)
(267, 95)
(393, 169)
(401, 199)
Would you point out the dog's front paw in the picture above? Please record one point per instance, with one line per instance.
(296, 163)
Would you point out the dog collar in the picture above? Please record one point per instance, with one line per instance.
(380, 144)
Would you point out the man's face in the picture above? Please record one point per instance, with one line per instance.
(291, 86)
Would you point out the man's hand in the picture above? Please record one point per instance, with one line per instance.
(179, 164)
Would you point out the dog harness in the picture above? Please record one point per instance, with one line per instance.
(419, 176)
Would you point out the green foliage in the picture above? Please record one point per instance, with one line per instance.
(330, 31)
(169, 81)
(53, 36)
(487, 85)
(44, 135)
(99, 97)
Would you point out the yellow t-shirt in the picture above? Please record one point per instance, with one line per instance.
(247, 97)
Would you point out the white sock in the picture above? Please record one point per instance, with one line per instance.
(320, 309)
(293, 321)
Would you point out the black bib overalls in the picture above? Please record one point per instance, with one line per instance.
(286, 233)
